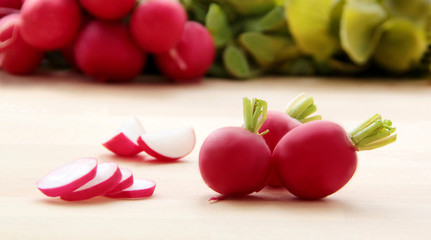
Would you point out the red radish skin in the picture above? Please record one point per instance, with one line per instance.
(16, 56)
(318, 158)
(235, 161)
(107, 178)
(109, 9)
(9, 7)
(50, 24)
(157, 25)
(68, 177)
(169, 145)
(141, 188)
(125, 182)
(106, 52)
(191, 58)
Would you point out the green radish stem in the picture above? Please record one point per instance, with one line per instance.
(301, 108)
(373, 133)
(255, 111)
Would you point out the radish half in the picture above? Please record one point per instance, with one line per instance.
(168, 145)
(125, 182)
(124, 142)
(141, 188)
(68, 177)
(107, 177)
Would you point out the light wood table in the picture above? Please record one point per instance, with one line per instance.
(50, 119)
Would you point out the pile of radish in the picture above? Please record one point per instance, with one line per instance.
(107, 40)
(168, 145)
(85, 178)
(310, 157)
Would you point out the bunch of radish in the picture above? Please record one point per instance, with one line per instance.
(85, 178)
(311, 158)
(106, 40)
(168, 145)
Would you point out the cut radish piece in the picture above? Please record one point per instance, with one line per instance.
(68, 178)
(107, 177)
(141, 188)
(125, 182)
(124, 142)
(169, 145)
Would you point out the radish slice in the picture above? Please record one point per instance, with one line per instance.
(68, 177)
(107, 177)
(124, 142)
(125, 182)
(168, 145)
(141, 188)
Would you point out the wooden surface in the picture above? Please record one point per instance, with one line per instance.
(50, 119)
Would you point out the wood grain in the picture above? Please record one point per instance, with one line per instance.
(50, 119)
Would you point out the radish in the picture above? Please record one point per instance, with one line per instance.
(125, 182)
(279, 123)
(50, 24)
(190, 59)
(318, 158)
(158, 25)
(105, 51)
(168, 145)
(68, 177)
(16, 56)
(9, 6)
(235, 161)
(107, 178)
(141, 188)
(109, 9)
(124, 143)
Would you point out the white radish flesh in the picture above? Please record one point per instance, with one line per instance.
(107, 177)
(141, 188)
(123, 143)
(68, 177)
(168, 145)
(125, 182)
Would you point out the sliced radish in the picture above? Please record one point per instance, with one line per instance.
(124, 143)
(107, 177)
(125, 182)
(141, 188)
(168, 145)
(68, 177)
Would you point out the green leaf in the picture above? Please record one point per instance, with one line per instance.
(401, 46)
(251, 7)
(272, 21)
(415, 10)
(309, 23)
(360, 31)
(236, 63)
(218, 25)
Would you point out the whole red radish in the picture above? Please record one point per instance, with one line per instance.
(318, 158)
(9, 6)
(157, 25)
(235, 161)
(109, 9)
(50, 24)
(16, 56)
(279, 123)
(106, 52)
(190, 59)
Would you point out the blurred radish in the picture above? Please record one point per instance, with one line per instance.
(190, 59)
(125, 182)
(9, 6)
(157, 25)
(168, 145)
(235, 161)
(109, 9)
(141, 188)
(16, 56)
(106, 52)
(50, 24)
(279, 123)
(318, 158)
(124, 143)
(68, 177)
(107, 178)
